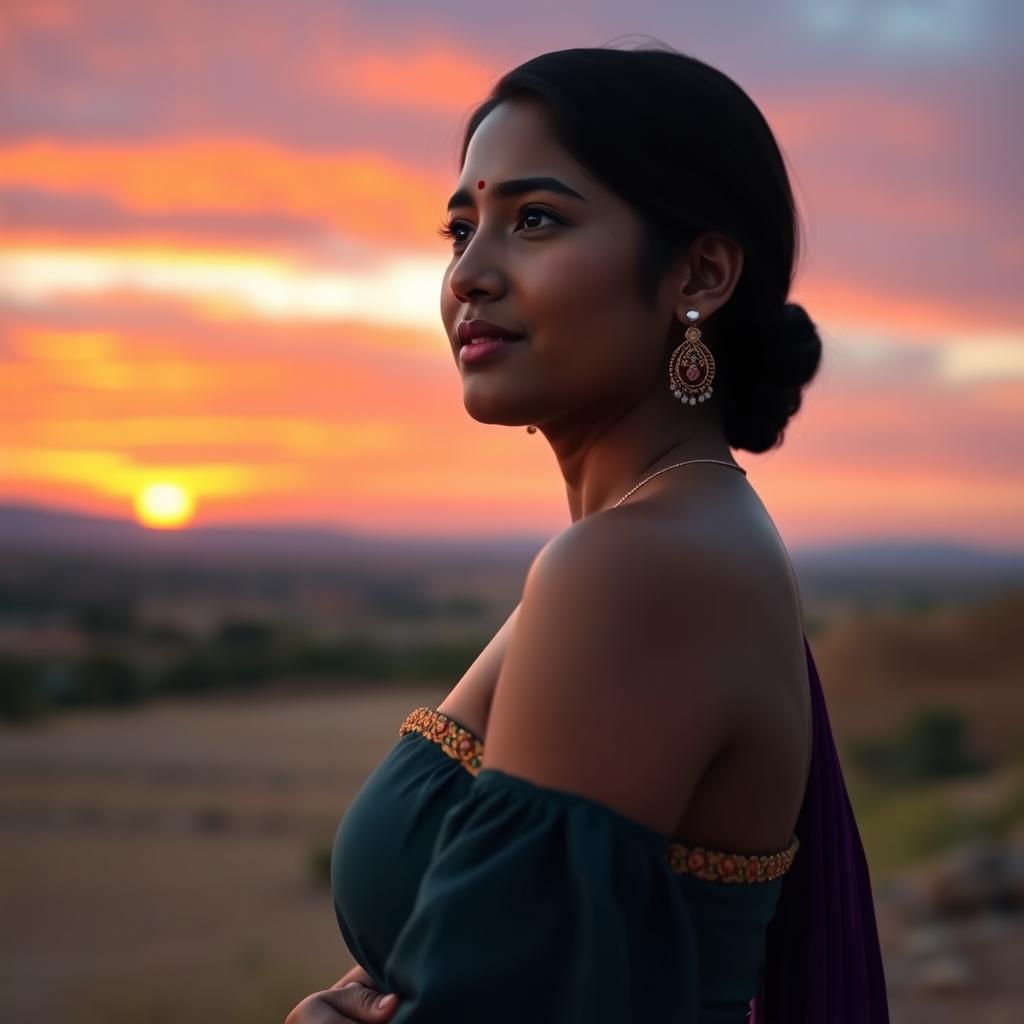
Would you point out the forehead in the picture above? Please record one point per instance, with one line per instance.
(515, 137)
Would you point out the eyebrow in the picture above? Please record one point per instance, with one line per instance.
(516, 187)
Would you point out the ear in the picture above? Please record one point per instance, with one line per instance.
(710, 274)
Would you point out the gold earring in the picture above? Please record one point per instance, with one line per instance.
(692, 366)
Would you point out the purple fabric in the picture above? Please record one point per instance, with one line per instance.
(822, 959)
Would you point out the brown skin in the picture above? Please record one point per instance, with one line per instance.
(351, 998)
(592, 374)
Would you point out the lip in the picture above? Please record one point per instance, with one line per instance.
(468, 329)
(486, 350)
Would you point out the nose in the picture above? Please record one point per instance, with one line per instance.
(474, 276)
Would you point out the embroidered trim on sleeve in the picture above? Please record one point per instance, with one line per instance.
(457, 742)
(712, 865)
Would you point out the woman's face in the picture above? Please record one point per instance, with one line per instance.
(558, 269)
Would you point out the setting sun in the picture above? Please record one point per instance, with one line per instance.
(164, 505)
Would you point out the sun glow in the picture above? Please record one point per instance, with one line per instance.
(164, 505)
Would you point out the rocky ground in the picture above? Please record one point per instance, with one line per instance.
(953, 933)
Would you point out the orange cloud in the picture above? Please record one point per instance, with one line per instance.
(229, 370)
(96, 361)
(364, 193)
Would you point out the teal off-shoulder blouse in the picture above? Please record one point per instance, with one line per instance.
(476, 895)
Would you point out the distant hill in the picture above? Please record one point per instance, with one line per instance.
(45, 530)
(43, 527)
(902, 574)
(904, 555)
(864, 573)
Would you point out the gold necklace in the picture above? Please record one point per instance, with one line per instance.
(721, 462)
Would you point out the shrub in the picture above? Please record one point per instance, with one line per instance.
(103, 678)
(193, 672)
(931, 744)
(319, 862)
(21, 692)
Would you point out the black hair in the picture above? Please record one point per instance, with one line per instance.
(690, 152)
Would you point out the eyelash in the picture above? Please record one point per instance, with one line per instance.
(448, 228)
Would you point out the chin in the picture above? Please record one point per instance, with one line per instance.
(484, 411)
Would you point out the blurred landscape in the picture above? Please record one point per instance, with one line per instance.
(187, 714)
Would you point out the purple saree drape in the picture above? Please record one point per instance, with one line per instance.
(822, 962)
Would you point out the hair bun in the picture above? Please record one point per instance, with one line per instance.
(767, 380)
(801, 347)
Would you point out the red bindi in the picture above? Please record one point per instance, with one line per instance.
(481, 183)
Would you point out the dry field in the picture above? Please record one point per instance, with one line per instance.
(156, 861)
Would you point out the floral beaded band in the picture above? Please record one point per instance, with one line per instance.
(457, 742)
(715, 866)
(712, 865)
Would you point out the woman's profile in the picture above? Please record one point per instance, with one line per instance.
(630, 807)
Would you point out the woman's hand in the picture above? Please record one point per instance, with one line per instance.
(351, 998)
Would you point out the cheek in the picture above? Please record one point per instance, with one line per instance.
(583, 301)
(580, 285)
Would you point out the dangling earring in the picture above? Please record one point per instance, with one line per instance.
(531, 429)
(692, 367)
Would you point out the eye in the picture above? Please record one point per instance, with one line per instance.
(536, 211)
(452, 228)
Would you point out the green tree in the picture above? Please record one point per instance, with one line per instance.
(21, 693)
(931, 744)
(105, 678)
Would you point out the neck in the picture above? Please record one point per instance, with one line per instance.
(600, 464)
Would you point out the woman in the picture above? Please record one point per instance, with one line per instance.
(659, 829)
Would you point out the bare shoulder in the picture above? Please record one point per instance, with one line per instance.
(616, 659)
(718, 571)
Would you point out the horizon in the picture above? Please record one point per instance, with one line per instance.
(950, 545)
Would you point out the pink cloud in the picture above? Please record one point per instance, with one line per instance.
(430, 78)
(820, 118)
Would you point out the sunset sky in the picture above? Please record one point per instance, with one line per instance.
(219, 265)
